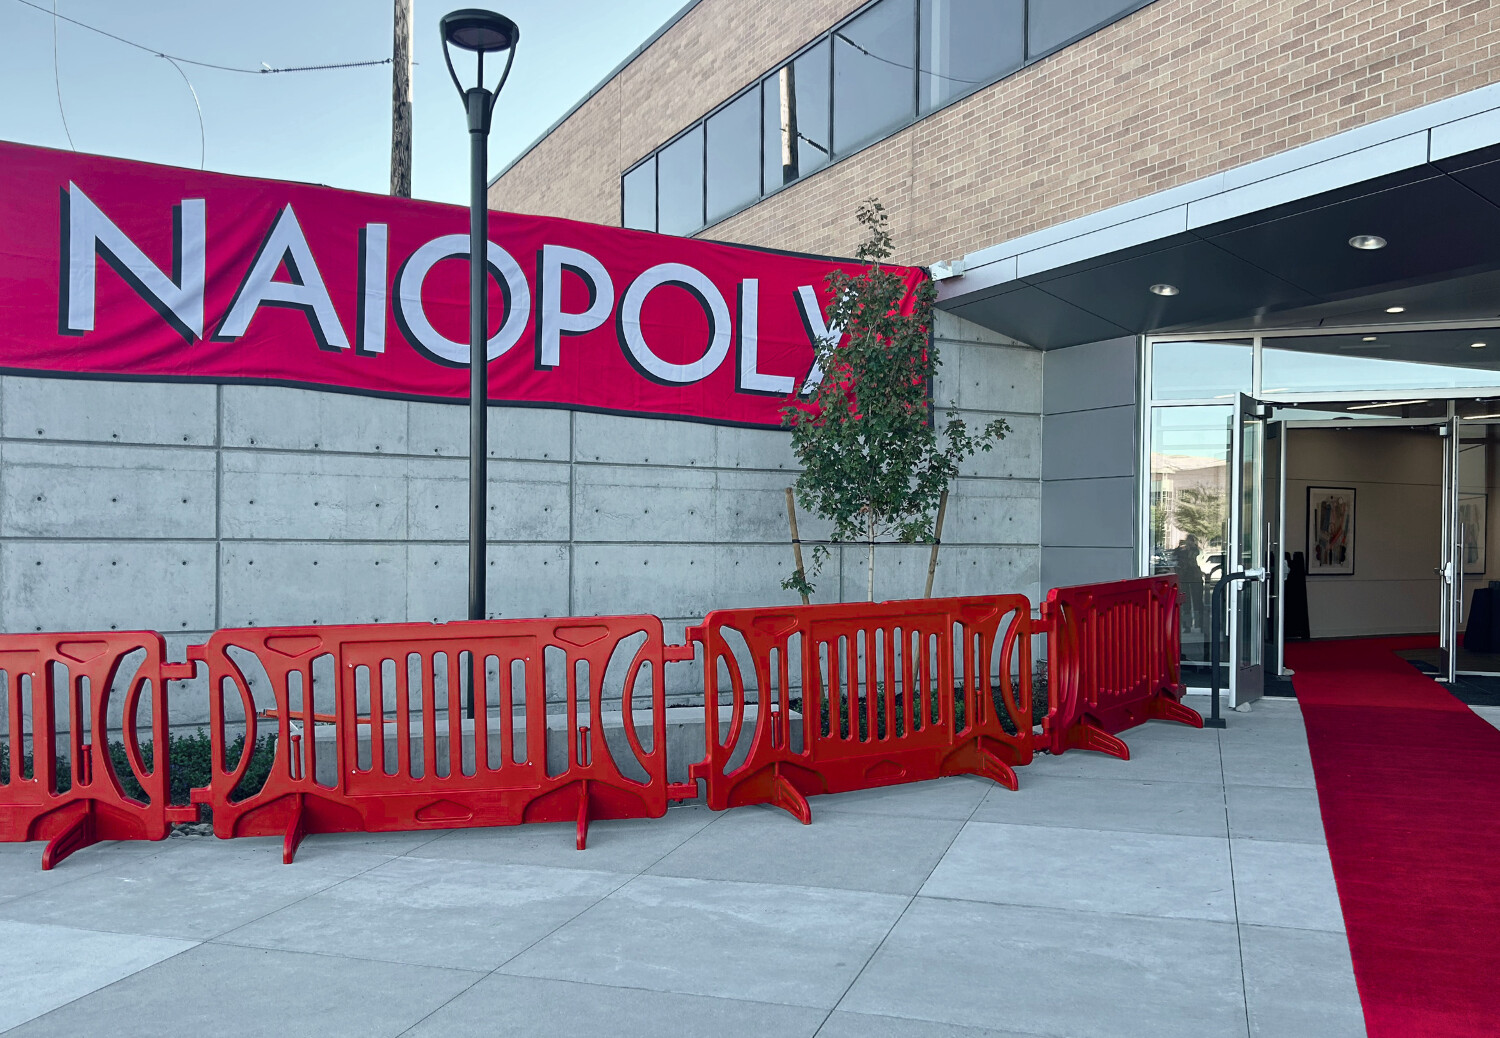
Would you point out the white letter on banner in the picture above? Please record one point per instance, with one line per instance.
(747, 347)
(305, 292)
(369, 325)
(818, 331)
(89, 233)
(413, 319)
(715, 309)
(552, 323)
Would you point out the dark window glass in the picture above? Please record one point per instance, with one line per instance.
(1054, 22)
(795, 105)
(734, 156)
(966, 44)
(679, 184)
(640, 196)
(874, 65)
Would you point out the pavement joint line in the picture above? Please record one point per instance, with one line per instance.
(626, 878)
(1239, 935)
(1197, 920)
(904, 909)
(222, 943)
(1009, 1031)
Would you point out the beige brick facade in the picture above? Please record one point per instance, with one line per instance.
(1177, 91)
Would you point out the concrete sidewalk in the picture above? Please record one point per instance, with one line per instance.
(1185, 892)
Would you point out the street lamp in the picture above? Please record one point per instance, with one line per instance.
(482, 32)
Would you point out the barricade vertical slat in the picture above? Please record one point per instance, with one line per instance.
(13, 699)
(864, 660)
(590, 785)
(377, 711)
(1113, 653)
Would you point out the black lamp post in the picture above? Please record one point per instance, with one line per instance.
(483, 32)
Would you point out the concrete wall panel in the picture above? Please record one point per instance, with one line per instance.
(58, 585)
(1090, 444)
(523, 580)
(282, 583)
(283, 496)
(985, 511)
(528, 501)
(1063, 567)
(1089, 513)
(106, 412)
(272, 417)
(901, 572)
(1018, 456)
(988, 378)
(534, 433)
(678, 580)
(1089, 377)
(74, 490)
(613, 439)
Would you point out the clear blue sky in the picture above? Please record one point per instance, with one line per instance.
(323, 127)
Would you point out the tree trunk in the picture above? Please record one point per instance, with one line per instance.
(870, 583)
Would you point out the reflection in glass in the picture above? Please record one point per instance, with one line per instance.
(874, 65)
(679, 184)
(1190, 511)
(1201, 370)
(1374, 368)
(1052, 23)
(794, 102)
(640, 196)
(966, 44)
(733, 156)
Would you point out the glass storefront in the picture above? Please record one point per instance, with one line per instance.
(1358, 378)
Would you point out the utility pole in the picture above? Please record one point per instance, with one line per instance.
(401, 102)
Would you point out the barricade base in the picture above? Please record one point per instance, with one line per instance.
(296, 815)
(73, 824)
(1097, 730)
(787, 783)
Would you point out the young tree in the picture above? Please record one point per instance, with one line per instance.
(873, 461)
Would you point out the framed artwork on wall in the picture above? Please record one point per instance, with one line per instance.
(1473, 517)
(1330, 531)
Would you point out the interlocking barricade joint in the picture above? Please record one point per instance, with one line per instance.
(804, 700)
(62, 782)
(372, 728)
(1113, 662)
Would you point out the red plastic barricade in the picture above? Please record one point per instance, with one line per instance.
(399, 753)
(74, 798)
(1114, 654)
(890, 692)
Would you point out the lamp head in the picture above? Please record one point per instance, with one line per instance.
(474, 29)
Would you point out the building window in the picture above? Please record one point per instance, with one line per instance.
(868, 77)
(874, 65)
(679, 184)
(639, 194)
(1056, 23)
(733, 144)
(967, 44)
(794, 107)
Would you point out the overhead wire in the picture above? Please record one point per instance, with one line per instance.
(263, 70)
(57, 78)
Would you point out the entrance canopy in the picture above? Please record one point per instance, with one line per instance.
(1268, 245)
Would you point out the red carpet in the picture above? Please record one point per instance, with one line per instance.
(1409, 785)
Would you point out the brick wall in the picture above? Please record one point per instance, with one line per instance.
(1177, 91)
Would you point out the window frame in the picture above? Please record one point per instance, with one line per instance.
(834, 156)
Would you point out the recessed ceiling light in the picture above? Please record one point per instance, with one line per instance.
(1392, 403)
(1395, 309)
(1477, 345)
(1367, 241)
(1165, 290)
(1369, 338)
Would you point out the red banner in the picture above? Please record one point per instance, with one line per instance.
(120, 269)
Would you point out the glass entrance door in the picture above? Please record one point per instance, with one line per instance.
(1451, 567)
(1276, 550)
(1247, 553)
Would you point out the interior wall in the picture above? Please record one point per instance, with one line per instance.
(1397, 477)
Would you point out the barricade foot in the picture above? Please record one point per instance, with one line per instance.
(295, 831)
(787, 797)
(1086, 735)
(75, 836)
(1164, 707)
(975, 758)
